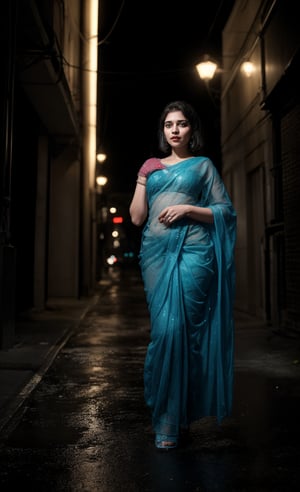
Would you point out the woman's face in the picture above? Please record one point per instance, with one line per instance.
(177, 130)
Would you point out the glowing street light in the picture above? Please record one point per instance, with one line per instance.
(101, 157)
(247, 68)
(207, 68)
(101, 180)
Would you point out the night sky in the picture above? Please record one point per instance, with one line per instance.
(147, 56)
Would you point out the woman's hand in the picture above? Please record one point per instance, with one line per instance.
(169, 215)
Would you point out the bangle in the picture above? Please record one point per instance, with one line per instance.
(140, 182)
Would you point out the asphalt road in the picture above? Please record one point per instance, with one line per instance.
(85, 426)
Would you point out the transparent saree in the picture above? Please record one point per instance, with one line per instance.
(188, 274)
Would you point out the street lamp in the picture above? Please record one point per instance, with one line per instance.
(247, 68)
(206, 68)
(101, 157)
(101, 180)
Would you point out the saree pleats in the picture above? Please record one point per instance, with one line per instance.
(188, 273)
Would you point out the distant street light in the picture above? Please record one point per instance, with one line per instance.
(101, 157)
(206, 68)
(101, 180)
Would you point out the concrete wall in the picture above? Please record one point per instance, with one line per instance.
(260, 152)
(64, 220)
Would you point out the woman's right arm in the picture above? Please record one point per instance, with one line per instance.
(138, 208)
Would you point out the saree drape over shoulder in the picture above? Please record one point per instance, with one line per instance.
(188, 274)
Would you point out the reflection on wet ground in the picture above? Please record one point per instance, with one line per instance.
(86, 427)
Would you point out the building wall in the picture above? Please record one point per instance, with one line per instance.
(260, 152)
(245, 140)
(291, 205)
(46, 168)
(64, 220)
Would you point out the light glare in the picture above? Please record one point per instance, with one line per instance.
(101, 180)
(206, 69)
(247, 68)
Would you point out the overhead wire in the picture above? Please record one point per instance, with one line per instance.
(113, 26)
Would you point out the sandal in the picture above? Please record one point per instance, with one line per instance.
(163, 441)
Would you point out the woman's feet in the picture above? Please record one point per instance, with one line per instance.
(163, 441)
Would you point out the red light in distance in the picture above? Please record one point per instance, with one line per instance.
(117, 220)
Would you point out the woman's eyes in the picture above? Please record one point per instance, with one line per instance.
(182, 124)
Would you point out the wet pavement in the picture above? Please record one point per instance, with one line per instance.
(84, 427)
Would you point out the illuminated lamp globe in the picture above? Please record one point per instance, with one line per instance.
(247, 68)
(101, 180)
(206, 69)
(101, 157)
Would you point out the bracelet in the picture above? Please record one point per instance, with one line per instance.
(140, 182)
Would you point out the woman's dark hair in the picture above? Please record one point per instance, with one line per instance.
(196, 141)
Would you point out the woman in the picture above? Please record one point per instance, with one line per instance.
(187, 265)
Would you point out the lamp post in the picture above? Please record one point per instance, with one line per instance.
(207, 69)
(101, 200)
(101, 222)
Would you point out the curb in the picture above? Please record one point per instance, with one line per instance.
(14, 409)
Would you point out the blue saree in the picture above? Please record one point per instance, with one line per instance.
(188, 275)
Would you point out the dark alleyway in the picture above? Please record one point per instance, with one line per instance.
(85, 426)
